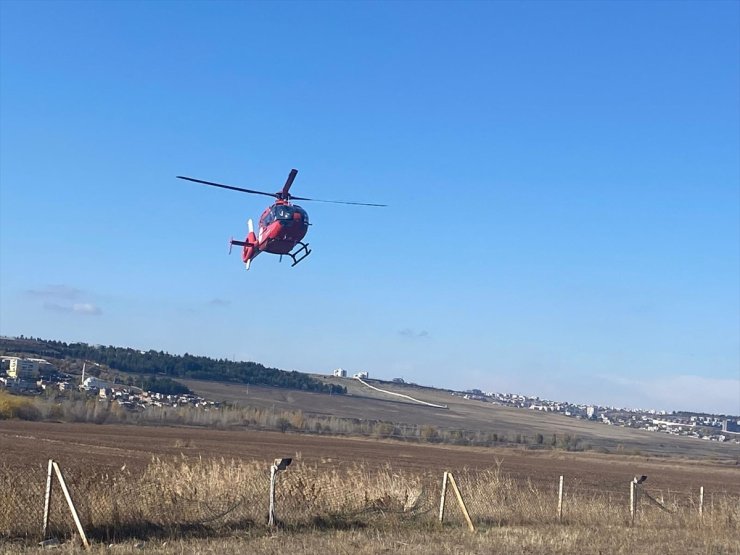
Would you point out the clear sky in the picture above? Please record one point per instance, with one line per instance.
(563, 181)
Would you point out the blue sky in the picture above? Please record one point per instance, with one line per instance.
(563, 181)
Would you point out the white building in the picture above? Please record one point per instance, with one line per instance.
(23, 368)
(362, 375)
(340, 373)
(93, 383)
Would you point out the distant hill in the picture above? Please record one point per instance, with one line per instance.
(175, 366)
(463, 422)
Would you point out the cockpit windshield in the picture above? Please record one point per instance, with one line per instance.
(283, 212)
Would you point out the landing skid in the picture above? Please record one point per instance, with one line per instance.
(299, 254)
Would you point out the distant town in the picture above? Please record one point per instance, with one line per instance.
(26, 375)
(703, 426)
(709, 427)
(35, 375)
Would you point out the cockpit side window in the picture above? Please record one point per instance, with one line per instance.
(302, 212)
(267, 219)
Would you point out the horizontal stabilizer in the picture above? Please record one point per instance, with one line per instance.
(232, 242)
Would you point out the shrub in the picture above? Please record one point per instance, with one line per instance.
(13, 406)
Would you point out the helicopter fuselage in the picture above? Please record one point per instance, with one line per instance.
(281, 227)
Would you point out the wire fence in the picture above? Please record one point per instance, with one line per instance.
(212, 496)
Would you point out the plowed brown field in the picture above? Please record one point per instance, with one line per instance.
(95, 446)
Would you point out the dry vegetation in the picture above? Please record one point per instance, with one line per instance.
(343, 495)
(465, 422)
(83, 408)
(218, 505)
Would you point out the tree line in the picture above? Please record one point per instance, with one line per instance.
(176, 366)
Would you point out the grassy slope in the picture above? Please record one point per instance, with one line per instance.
(362, 402)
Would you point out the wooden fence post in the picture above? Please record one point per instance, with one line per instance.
(560, 500)
(701, 502)
(461, 502)
(632, 503)
(271, 513)
(444, 494)
(71, 505)
(47, 499)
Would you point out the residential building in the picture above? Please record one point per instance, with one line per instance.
(23, 368)
(92, 383)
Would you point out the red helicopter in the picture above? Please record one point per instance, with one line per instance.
(281, 226)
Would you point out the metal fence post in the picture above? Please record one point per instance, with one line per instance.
(442, 500)
(277, 465)
(47, 499)
(560, 500)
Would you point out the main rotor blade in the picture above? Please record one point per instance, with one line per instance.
(337, 201)
(288, 183)
(228, 186)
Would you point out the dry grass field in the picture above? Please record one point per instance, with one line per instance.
(179, 489)
(206, 492)
(541, 540)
